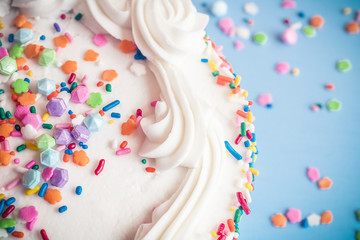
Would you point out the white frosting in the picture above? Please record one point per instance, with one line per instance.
(4, 7)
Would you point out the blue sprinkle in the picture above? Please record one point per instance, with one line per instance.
(253, 138)
(247, 143)
(257, 151)
(204, 60)
(70, 112)
(78, 190)
(57, 27)
(111, 105)
(301, 14)
(27, 80)
(304, 223)
(10, 201)
(251, 164)
(269, 105)
(85, 146)
(115, 115)
(139, 56)
(69, 151)
(42, 37)
(252, 155)
(43, 189)
(10, 230)
(62, 209)
(65, 89)
(81, 143)
(2, 205)
(232, 151)
(246, 108)
(11, 37)
(63, 84)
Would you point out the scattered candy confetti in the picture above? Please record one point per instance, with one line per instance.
(289, 36)
(260, 38)
(227, 26)
(326, 217)
(325, 183)
(251, 8)
(313, 174)
(309, 31)
(333, 105)
(317, 21)
(265, 99)
(293, 215)
(279, 220)
(343, 65)
(219, 8)
(313, 220)
(282, 67)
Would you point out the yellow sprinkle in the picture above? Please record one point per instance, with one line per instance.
(243, 170)
(255, 157)
(245, 94)
(32, 191)
(249, 186)
(45, 116)
(254, 171)
(237, 80)
(31, 146)
(253, 143)
(2, 196)
(30, 73)
(213, 65)
(231, 209)
(250, 117)
(214, 234)
(231, 94)
(252, 148)
(111, 121)
(346, 10)
(295, 72)
(0, 19)
(227, 153)
(2, 25)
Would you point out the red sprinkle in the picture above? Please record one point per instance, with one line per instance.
(44, 234)
(8, 211)
(63, 16)
(71, 146)
(72, 78)
(100, 83)
(100, 167)
(330, 86)
(139, 113)
(238, 139)
(249, 134)
(123, 144)
(17, 234)
(150, 169)
(243, 203)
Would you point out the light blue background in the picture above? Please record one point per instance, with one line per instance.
(290, 136)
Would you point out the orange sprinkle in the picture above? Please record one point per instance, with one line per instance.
(20, 20)
(242, 113)
(325, 183)
(132, 117)
(17, 234)
(102, 113)
(352, 27)
(231, 225)
(4, 158)
(150, 169)
(91, 55)
(72, 116)
(32, 50)
(109, 75)
(12, 120)
(6, 129)
(279, 220)
(12, 153)
(128, 127)
(51, 95)
(27, 99)
(317, 21)
(224, 79)
(236, 90)
(52, 196)
(69, 67)
(2, 122)
(326, 217)
(42, 47)
(20, 61)
(127, 46)
(66, 157)
(14, 97)
(27, 24)
(80, 158)
(26, 67)
(250, 103)
(61, 41)
(100, 83)
(57, 86)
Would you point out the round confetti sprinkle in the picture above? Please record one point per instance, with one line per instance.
(313, 173)
(352, 27)
(219, 8)
(343, 65)
(309, 31)
(260, 38)
(325, 183)
(251, 8)
(317, 21)
(334, 105)
(282, 67)
(295, 72)
(346, 11)
(326, 217)
(289, 36)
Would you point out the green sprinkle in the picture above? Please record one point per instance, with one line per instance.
(143, 161)
(357, 235)
(2, 91)
(47, 126)
(232, 85)
(35, 167)
(334, 105)
(73, 86)
(108, 87)
(20, 148)
(320, 105)
(0, 43)
(20, 86)
(47, 57)
(32, 109)
(7, 223)
(243, 129)
(237, 216)
(260, 38)
(78, 17)
(16, 51)
(7, 66)
(2, 113)
(17, 127)
(215, 73)
(343, 65)
(309, 31)
(94, 100)
(357, 213)
(8, 114)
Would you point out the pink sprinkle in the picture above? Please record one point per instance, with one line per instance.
(239, 45)
(227, 26)
(28, 214)
(226, 232)
(236, 204)
(264, 99)
(225, 65)
(30, 225)
(153, 103)
(289, 36)
(123, 151)
(47, 173)
(84, 79)
(16, 161)
(63, 125)
(60, 148)
(249, 176)
(313, 174)
(16, 134)
(315, 108)
(243, 203)
(90, 111)
(282, 67)
(248, 160)
(238, 120)
(218, 50)
(288, 4)
(249, 134)
(99, 40)
(6, 145)
(13, 183)
(69, 37)
(57, 50)
(238, 139)
(293, 215)
(357, 16)
(137, 121)
(30, 164)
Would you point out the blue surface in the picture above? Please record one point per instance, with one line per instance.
(290, 136)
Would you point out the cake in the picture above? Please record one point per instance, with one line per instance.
(122, 121)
